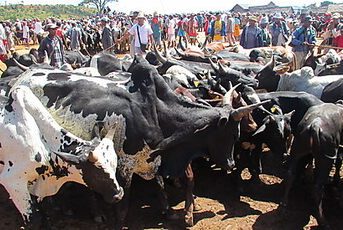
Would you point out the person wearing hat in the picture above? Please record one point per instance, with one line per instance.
(218, 29)
(251, 35)
(303, 41)
(279, 31)
(75, 37)
(266, 37)
(156, 26)
(52, 46)
(142, 33)
(106, 36)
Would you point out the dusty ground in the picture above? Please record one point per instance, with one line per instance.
(222, 208)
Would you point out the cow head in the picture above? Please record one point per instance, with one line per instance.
(98, 163)
(269, 76)
(221, 147)
(275, 130)
(230, 75)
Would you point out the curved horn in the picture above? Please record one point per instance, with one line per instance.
(46, 58)
(21, 66)
(180, 53)
(214, 66)
(205, 43)
(272, 62)
(159, 56)
(239, 113)
(227, 100)
(74, 159)
(165, 53)
(34, 60)
(221, 68)
(181, 44)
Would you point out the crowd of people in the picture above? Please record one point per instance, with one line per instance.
(119, 32)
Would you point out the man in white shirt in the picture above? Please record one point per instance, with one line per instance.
(142, 32)
(38, 31)
(171, 32)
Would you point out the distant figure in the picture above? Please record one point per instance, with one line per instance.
(217, 30)
(279, 31)
(75, 37)
(107, 39)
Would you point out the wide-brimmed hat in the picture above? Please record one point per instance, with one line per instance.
(140, 15)
(278, 16)
(253, 18)
(105, 19)
(51, 26)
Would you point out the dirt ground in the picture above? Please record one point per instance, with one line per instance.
(221, 206)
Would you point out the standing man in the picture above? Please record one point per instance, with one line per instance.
(279, 31)
(53, 46)
(75, 37)
(266, 38)
(142, 32)
(230, 29)
(156, 26)
(217, 30)
(107, 39)
(251, 35)
(303, 40)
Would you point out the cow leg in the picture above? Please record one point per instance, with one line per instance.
(255, 165)
(189, 204)
(338, 165)
(121, 210)
(323, 167)
(163, 197)
(291, 174)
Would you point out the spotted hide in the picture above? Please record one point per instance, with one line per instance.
(37, 156)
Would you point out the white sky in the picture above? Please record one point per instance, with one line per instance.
(168, 6)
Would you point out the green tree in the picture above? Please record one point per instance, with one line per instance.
(99, 4)
(326, 3)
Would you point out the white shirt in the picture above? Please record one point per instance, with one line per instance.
(38, 28)
(171, 26)
(26, 32)
(144, 31)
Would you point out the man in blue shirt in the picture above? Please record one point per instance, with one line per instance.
(303, 41)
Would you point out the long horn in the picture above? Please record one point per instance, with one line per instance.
(214, 66)
(180, 53)
(159, 56)
(165, 53)
(221, 68)
(205, 43)
(227, 101)
(181, 44)
(34, 60)
(239, 113)
(21, 66)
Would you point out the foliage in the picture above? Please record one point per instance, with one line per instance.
(326, 3)
(99, 4)
(12, 12)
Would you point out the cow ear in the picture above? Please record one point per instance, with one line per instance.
(290, 114)
(70, 158)
(260, 130)
(222, 121)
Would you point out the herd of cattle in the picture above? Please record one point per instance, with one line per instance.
(99, 120)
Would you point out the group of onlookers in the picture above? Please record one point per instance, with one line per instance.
(119, 32)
